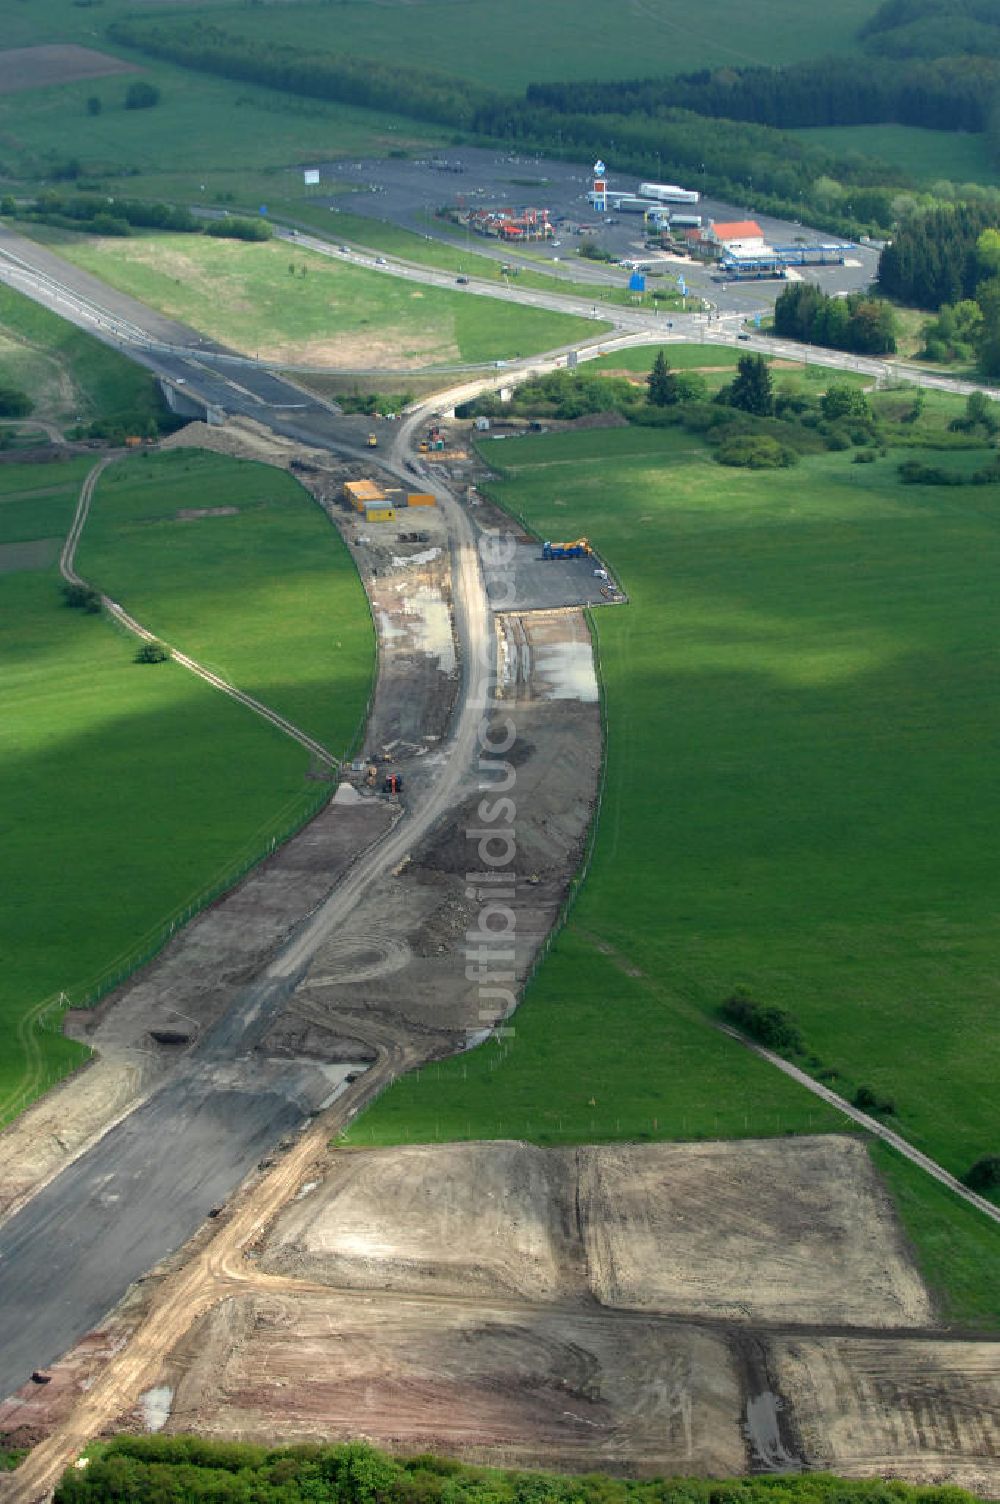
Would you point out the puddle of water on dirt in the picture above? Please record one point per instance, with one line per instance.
(156, 1405)
(569, 669)
(764, 1434)
(432, 627)
(427, 557)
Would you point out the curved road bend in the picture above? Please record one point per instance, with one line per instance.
(69, 1255)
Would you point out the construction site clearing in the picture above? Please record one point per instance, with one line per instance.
(704, 1308)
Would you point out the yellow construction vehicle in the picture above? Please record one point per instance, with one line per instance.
(373, 441)
(575, 550)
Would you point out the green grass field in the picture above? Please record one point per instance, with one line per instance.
(929, 156)
(269, 598)
(121, 804)
(287, 304)
(800, 800)
(509, 47)
(71, 376)
(229, 136)
(679, 357)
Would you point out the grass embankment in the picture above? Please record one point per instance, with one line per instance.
(464, 255)
(287, 304)
(187, 1468)
(800, 800)
(130, 789)
(71, 377)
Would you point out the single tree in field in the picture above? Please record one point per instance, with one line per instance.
(662, 383)
(752, 391)
(141, 96)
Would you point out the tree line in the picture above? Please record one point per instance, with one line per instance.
(187, 1470)
(104, 216)
(945, 93)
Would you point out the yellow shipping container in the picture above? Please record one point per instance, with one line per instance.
(380, 514)
(362, 493)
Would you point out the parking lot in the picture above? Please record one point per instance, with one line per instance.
(407, 192)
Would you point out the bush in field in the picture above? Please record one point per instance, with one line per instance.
(758, 451)
(869, 1101)
(151, 652)
(141, 96)
(984, 1175)
(232, 228)
(841, 401)
(770, 1026)
(81, 598)
(915, 473)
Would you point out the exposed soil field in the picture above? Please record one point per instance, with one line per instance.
(924, 1410)
(559, 1307)
(799, 1231)
(525, 1386)
(38, 67)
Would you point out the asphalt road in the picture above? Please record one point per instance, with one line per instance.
(69, 1255)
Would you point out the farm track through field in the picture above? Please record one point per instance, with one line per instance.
(871, 1125)
(120, 615)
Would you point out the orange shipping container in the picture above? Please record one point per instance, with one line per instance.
(420, 499)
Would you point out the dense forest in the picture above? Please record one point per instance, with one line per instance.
(186, 1470)
(933, 257)
(946, 93)
(948, 261)
(945, 75)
